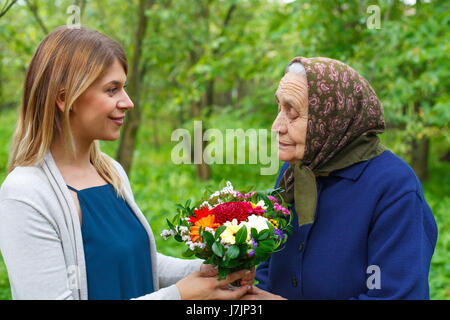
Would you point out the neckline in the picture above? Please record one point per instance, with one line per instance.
(88, 188)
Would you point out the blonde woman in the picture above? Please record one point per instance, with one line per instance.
(69, 225)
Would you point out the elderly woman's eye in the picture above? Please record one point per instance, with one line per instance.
(293, 113)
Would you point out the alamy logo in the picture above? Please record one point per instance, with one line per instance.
(374, 280)
(215, 153)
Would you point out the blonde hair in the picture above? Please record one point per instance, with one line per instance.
(68, 60)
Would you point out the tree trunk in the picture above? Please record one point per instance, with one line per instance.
(133, 119)
(420, 150)
(203, 171)
(419, 158)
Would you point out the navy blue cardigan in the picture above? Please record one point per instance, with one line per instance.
(373, 238)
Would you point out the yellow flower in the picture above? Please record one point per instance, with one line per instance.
(229, 234)
(274, 222)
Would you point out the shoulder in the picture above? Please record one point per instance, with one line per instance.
(391, 173)
(23, 183)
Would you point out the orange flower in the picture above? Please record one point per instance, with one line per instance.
(208, 221)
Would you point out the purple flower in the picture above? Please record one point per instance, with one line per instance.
(279, 233)
(271, 198)
(254, 243)
(251, 253)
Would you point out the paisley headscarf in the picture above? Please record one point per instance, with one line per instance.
(344, 118)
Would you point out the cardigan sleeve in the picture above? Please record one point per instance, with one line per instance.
(171, 270)
(32, 253)
(400, 246)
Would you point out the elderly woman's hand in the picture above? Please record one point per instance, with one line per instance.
(256, 293)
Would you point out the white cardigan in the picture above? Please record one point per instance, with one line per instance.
(42, 245)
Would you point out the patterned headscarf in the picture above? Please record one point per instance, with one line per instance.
(344, 118)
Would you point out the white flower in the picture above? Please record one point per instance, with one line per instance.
(257, 222)
(215, 194)
(167, 233)
(210, 230)
(206, 204)
(183, 230)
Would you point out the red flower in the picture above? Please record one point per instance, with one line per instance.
(199, 214)
(228, 211)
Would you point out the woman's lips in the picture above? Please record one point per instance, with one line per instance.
(117, 121)
(285, 145)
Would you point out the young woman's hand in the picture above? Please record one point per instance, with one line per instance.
(197, 286)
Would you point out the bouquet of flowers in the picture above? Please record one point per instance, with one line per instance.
(232, 230)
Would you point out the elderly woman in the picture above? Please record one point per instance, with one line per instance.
(362, 227)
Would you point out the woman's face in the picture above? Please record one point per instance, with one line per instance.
(99, 112)
(292, 119)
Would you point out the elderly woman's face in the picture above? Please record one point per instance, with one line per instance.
(292, 119)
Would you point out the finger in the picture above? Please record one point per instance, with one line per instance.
(208, 271)
(249, 275)
(232, 294)
(232, 277)
(249, 297)
(247, 283)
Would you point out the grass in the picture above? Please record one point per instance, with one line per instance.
(158, 185)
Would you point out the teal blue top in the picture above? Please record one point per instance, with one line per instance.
(116, 246)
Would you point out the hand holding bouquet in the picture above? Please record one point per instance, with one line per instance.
(232, 230)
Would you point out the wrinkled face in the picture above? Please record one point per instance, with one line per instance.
(99, 112)
(292, 119)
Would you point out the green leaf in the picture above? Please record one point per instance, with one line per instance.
(233, 252)
(254, 233)
(170, 224)
(266, 245)
(218, 249)
(263, 235)
(219, 231)
(241, 235)
(271, 228)
(188, 253)
(223, 272)
(208, 237)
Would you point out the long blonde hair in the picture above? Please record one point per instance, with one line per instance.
(68, 59)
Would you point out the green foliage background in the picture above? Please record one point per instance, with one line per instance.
(187, 46)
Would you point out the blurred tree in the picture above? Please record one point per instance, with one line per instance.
(6, 6)
(410, 75)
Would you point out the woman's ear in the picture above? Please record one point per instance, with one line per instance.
(60, 100)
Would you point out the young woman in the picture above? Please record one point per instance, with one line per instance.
(69, 225)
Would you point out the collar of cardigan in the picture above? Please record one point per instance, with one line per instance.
(353, 172)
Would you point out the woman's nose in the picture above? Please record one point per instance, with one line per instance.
(125, 102)
(279, 124)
